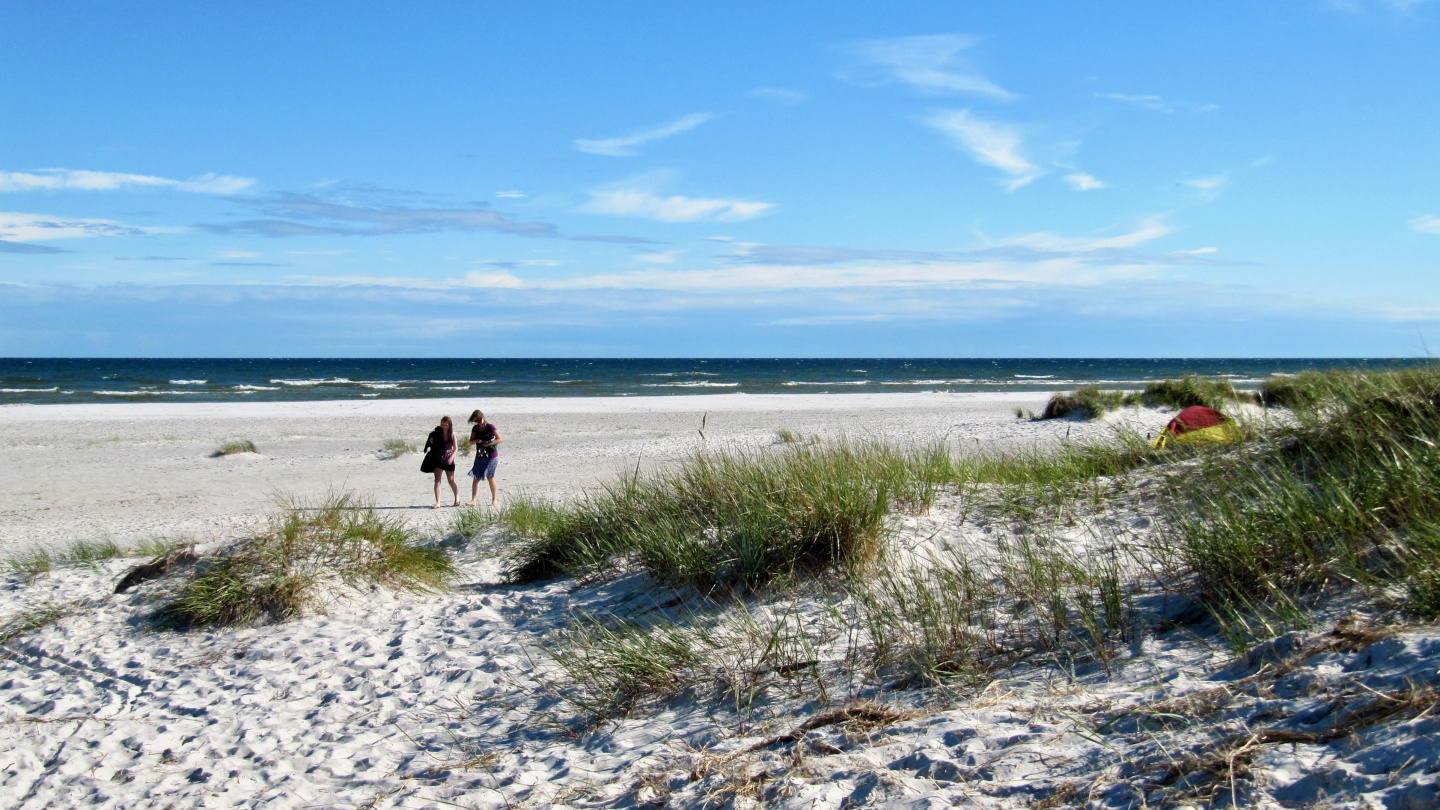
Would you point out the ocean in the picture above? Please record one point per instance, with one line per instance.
(67, 380)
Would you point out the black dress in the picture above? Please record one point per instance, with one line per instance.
(437, 451)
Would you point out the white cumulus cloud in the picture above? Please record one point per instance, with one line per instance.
(625, 145)
(989, 143)
(82, 180)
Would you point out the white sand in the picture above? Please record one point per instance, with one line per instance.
(134, 471)
(441, 701)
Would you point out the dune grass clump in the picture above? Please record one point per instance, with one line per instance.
(730, 519)
(41, 615)
(1350, 494)
(1187, 391)
(1087, 401)
(308, 551)
(398, 447)
(465, 447)
(230, 448)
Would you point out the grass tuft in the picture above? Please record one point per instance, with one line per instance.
(1087, 402)
(42, 615)
(730, 519)
(230, 448)
(398, 447)
(786, 436)
(282, 572)
(34, 563)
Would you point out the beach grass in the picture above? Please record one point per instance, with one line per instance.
(1347, 495)
(31, 619)
(465, 447)
(34, 563)
(1093, 402)
(230, 448)
(396, 448)
(277, 575)
(730, 519)
(1343, 497)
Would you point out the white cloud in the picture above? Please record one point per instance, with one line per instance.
(81, 180)
(1209, 187)
(990, 144)
(1159, 104)
(778, 94)
(929, 64)
(18, 227)
(1148, 230)
(510, 194)
(502, 280)
(646, 204)
(666, 257)
(624, 146)
(1426, 224)
(1081, 181)
(236, 254)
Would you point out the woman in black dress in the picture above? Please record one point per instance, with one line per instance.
(440, 458)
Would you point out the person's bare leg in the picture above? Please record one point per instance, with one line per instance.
(451, 475)
(494, 495)
(437, 490)
(474, 491)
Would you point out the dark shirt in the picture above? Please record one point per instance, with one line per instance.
(479, 435)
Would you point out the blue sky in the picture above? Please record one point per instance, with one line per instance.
(739, 179)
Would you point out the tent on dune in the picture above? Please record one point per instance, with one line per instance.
(1198, 424)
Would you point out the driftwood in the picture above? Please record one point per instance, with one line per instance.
(156, 567)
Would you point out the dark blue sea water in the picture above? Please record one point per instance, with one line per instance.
(52, 380)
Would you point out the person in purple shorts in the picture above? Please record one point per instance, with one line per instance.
(484, 437)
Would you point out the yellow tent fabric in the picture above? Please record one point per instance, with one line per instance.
(1225, 432)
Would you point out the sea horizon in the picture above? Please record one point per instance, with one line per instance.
(40, 381)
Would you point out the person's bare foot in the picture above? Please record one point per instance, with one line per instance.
(457, 502)
(436, 506)
(494, 503)
(471, 503)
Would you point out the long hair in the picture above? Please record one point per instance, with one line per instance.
(447, 428)
(476, 417)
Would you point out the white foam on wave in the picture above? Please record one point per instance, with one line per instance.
(250, 389)
(452, 388)
(691, 384)
(188, 382)
(29, 390)
(313, 381)
(460, 382)
(143, 393)
(836, 382)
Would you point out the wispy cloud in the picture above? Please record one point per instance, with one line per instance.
(930, 64)
(307, 215)
(1426, 224)
(18, 227)
(23, 247)
(639, 198)
(1209, 187)
(81, 180)
(777, 94)
(1360, 6)
(626, 145)
(989, 143)
(1080, 181)
(509, 194)
(1159, 104)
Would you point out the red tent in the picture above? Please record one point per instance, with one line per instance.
(1198, 423)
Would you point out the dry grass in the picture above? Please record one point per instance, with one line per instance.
(230, 448)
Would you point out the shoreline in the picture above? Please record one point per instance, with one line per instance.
(674, 403)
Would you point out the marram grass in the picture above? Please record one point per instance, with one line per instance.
(280, 573)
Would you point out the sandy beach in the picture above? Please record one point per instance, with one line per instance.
(134, 471)
(383, 699)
